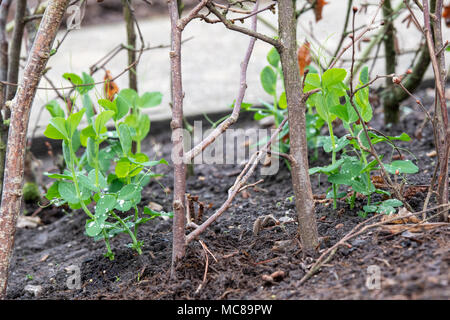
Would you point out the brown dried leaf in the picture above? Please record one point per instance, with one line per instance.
(304, 57)
(403, 216)
(319, 8)
(110, 86)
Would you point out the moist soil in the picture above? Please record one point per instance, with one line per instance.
(412, 266)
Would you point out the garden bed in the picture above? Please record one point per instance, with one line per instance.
(412, 267)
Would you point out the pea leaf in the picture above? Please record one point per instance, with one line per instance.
(333, 76)
(105, 204)
(273, 57)
(403, 166)
(67, 191)
(269, 80)
(149, 100)
(125, 138)
(101, 120)
(54, 109)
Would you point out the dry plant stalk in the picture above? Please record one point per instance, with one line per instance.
(21, 107)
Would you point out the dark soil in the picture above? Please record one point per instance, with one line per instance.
(411, 267)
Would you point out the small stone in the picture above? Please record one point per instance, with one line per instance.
(432, 154)
(155, 206)
(28, 222)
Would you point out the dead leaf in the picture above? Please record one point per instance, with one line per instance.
(446, 15)
(110, 86)
(339, 226)
(403, 215)
(319, 8)
(304, 57)
(413, 228)
(411, 191)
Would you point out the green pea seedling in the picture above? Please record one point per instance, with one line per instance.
(351, 170)
(269, 77)
(87, 178)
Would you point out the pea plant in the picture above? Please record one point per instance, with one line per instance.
(88, 153)
(353, 168)
(269, 77)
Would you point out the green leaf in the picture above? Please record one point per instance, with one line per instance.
(340, 143)
(151, 163)
(127, 98)
(364, 75)
(128, 192)
(105, 204)
(393, 203)
(52, 133)
(102, 119)
(87, 104)
(54, 109)
(327, 169)
(88, 82)
(403, 166)
(59, 124)
(282, 103)
(312, 82)
(149, 100)
(333, 76)
(152, 213)
(67, 154)
(122, 168)
(68, 192)
(101, 179)
(58, 176)
(52, 192)
(273, 57)
(73, 121)
(385, 209)
(107, 104)
(341, 178)
(125, 138)
(269, 80)
(140, 123)
(370, 208)
(89, 132)
(73, 78)
(91, 151)
(94, 227)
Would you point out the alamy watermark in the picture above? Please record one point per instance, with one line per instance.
(234, 146)
(373, 280)
(76, 15)
(74, 279)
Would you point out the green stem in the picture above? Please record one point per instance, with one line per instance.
(110, 254)
(333, 161)
(75, 181)
(133, 238)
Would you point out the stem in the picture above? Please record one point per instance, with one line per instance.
(133, 238)
(75, 182)
(108, 246)
(333, 161)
